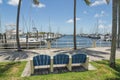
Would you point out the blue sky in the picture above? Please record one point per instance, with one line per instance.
(60, 15)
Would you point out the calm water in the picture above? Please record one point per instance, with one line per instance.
(67, 42)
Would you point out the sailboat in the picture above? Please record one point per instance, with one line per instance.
(95, 35)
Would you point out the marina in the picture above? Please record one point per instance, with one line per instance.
(45, 40)
(61, 42)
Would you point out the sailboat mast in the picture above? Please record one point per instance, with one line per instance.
(49, 28)
(97, 28)
(58, 30)
(0, 25)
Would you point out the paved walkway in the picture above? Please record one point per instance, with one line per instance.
(99, 53)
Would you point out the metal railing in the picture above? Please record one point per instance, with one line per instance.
(57, 44)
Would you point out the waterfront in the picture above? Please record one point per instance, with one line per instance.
(62, 42)
(82, 42)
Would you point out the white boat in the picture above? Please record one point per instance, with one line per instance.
(24, 42)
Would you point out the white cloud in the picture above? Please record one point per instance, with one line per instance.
(101, 14)
(99, 2)
(77, 19)
(71, 20)
(39, 6)
(101, 22)
(10, 25)
(110, 26)
(101, 26)
(96, 15)
(105, 28)
(13, 2)
(85, 12)
(0, 1)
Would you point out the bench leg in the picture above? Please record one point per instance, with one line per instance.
(51, 66)
(32, 67)
(86, 64)
(70, 64)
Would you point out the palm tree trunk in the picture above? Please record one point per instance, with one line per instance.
(114, 34)
(75, 25)
(17, 27)
(119, 24)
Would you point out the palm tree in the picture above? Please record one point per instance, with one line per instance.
(74, 38)
(114, 33)
(17, 27)
(75, 47)
(36, 2)
(118, 24)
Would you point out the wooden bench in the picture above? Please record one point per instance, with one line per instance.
(59, 60)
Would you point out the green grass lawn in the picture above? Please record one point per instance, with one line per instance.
(13, 70)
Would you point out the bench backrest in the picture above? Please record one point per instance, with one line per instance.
(61, 59)
(41, 60)
(79, 58)
(58, 59)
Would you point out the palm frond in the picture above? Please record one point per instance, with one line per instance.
(88, 2)
(108, 1)
(36, 2)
